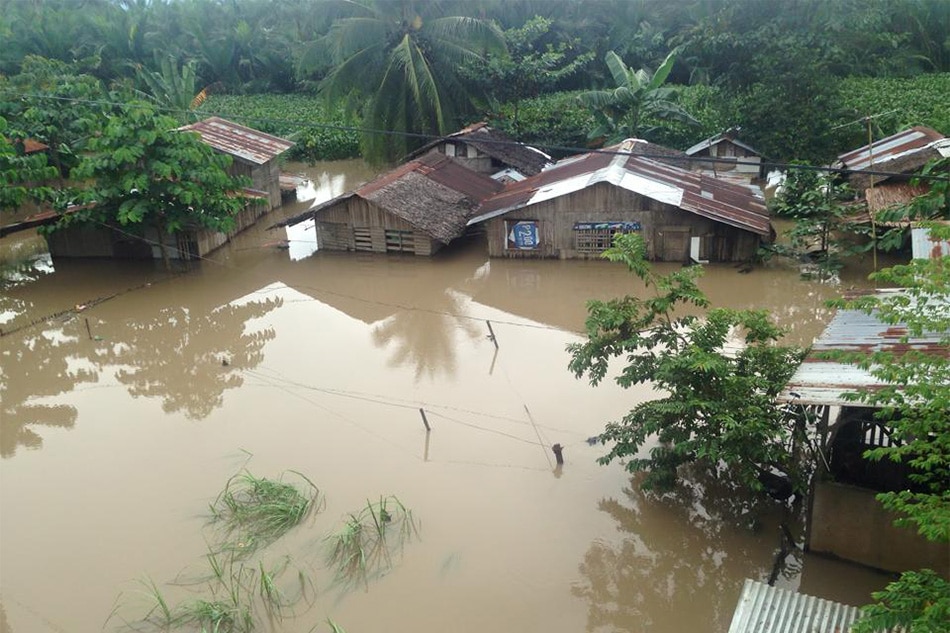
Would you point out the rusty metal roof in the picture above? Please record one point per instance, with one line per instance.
(241, 142)
(702, 194)
(821, 381)
(766, 609)
(902, 144)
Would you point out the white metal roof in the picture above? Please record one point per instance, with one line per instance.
(765, 609)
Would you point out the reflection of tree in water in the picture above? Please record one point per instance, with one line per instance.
(426, 338)
(682, 558)
(188, 358)
(35, 365)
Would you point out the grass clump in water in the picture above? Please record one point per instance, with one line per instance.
(256, 511)
(362, 548)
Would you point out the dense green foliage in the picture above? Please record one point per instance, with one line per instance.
(789, 73)
(719, 411)
(19, 173)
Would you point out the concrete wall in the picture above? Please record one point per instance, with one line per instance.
(848, 522)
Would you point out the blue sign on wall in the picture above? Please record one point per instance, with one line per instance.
(523, 235)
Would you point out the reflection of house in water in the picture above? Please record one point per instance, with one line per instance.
(254, 155)
(489, 151)
(846, 520)
(410, 303)
(573, 209)
(418, 208)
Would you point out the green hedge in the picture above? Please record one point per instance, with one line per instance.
(318, 134)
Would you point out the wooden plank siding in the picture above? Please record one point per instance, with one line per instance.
(264, 177)
(356, 224)
(663, 227)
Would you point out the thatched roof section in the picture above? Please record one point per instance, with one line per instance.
(433, 193)
(892, 194)
(487, 140)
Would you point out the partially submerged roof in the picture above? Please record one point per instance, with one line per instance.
(495, 143)
(766, 609)
(822, 381)
(730, 135)
(902, 153)
(433, 193)
(245, 143)
(625, 166)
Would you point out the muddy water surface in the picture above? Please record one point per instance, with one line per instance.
(130, 397)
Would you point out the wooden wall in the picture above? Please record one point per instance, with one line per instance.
(665, 229)
(264, 177)
(356, 224)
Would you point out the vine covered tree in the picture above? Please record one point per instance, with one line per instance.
(719, 411)
(146, 174)
(401, 60)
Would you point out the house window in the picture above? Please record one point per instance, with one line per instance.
(596, 237)
(400, 242)
(362, 240)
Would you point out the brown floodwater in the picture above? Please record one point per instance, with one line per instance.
(131, 396)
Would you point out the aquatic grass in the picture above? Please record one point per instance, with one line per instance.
(362, 548)
(256, 511)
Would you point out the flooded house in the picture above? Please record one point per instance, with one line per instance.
(726, 156)
(845, 519)
(486, 150)
(255, 156)
(573, 209)
(417, 208)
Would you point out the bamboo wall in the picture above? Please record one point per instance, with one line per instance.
(665, 229)
(355, 224)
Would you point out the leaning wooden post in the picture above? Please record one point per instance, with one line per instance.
(491, 333)
(88, 329)
(558, 453)
(422, 412)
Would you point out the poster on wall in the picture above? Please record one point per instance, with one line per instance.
(522, 235)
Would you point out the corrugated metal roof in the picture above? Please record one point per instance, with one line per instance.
(702, 194)
(245, 143)
(765, 609)
(909, 141)
(824, 382)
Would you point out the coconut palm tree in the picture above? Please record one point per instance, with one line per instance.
(639, 97)
(400, 59)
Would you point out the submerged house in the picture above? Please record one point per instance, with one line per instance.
(845, 518)
(254, 155)
(726, 156)
(574, 208)
(486, 150)
(417, 208)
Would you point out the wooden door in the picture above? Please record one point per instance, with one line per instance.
(673, 244)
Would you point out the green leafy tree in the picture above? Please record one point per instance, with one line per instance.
(638, 95)
(174, 88)
(401, 60)
(719, 411)
(532, 65)
(145, 174)
(915, 404)
(21, 175)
